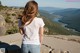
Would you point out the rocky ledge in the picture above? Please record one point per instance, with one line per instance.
(51, 44)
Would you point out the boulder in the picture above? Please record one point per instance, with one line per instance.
(2, 25)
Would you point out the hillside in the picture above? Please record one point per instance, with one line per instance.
(50, 9)
(70, 17)
(54, 27)
(10, 15)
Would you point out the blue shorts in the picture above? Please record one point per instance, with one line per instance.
(26, 48)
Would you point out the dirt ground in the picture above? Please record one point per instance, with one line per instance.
(56, 43)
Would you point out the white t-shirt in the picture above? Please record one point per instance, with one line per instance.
(32, 31)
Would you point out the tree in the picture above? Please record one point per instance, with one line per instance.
(0, 3)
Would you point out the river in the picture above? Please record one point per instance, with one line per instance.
(63, 24)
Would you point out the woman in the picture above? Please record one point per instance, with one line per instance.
(32, 28)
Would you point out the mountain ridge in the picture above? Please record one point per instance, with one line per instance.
(70, 17)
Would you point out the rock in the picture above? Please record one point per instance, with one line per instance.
(2, 50)
(66, 51)
(2, 25)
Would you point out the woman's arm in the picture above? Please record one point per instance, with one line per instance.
(41, 32)
(20, 26)
(21, 31)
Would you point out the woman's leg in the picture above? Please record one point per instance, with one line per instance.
(24, 48)
(34, 48)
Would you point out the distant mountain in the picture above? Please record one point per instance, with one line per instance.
(70, 17)
(46, 14)
(50, 9)
(64, 12)
(53, 27)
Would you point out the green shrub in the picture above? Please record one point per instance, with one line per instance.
(8, 14)
(1, 7)
(12, 30)
(8, 20)
(13, 14)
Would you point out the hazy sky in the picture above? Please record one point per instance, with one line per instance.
(45, 3)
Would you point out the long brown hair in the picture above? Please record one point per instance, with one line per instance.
(30, 11)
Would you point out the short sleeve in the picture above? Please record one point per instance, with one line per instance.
(41, 22)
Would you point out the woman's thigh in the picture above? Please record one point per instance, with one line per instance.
(34, 48)
(24, 48)
(30, 48)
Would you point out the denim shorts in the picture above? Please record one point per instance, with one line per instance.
(30, 48)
